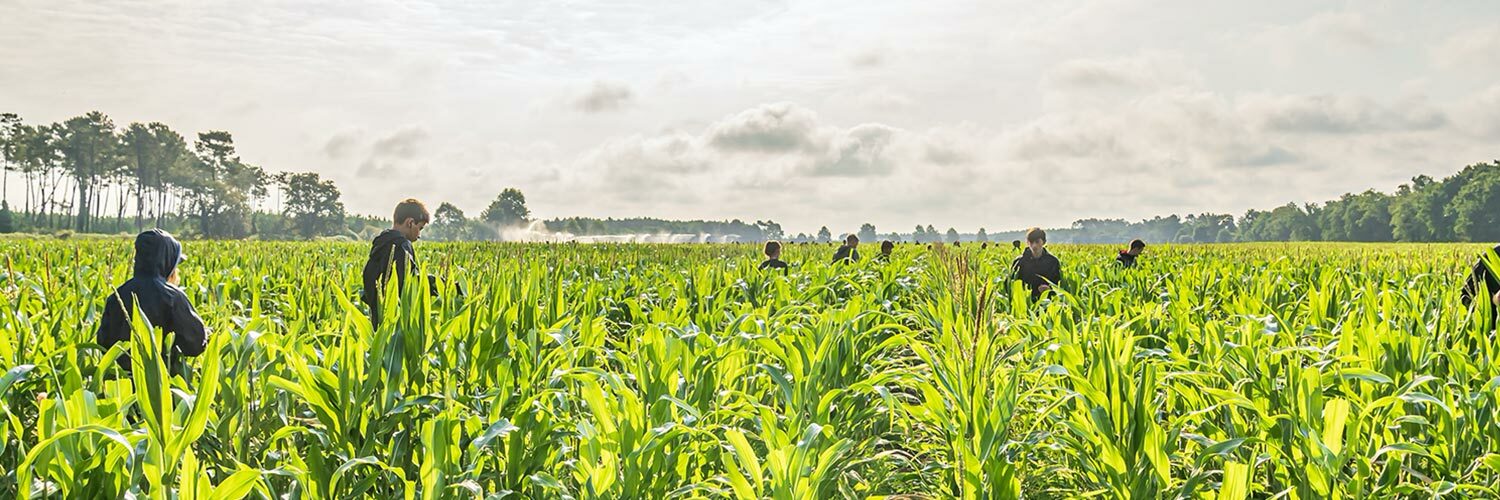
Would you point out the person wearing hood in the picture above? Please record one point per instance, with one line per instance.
(1127, 257)
(1483, 282)
(1036, 267)
(153, 290)
(391, 252)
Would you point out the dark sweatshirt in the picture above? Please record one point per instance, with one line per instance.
(1125, 259)
(1480, 280)
(389, 252)
(846, 252)
(773, 264)
(1036, 271)
(164, 305)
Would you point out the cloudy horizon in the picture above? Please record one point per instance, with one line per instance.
(965, 114)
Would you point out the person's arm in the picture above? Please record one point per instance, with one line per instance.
(1472, 283)
(187, 328)
(114, 326)
(1015, 269)
(402, 263)
(1052, 275)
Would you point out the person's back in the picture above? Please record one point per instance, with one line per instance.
(849, 252)
(153, 290)
(772, 263)
(773, 257)
(1484, 282)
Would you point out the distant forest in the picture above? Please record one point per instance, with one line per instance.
(87, 175)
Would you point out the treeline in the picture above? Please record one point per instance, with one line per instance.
(737, 229)
(85, 174)
(1462, 207)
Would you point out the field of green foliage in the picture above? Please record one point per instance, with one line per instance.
(651, 371)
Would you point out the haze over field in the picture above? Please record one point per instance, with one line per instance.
(811, 114)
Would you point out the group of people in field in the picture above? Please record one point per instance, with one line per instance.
(1037, 268)
(153, 288)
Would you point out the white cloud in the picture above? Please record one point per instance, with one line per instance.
(1474, 49)
(873, 58)
(958, 113)
(1339, 114)
(1142, 71)
(604, 97)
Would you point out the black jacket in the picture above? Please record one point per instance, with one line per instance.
(1473, 291)
(389, 252)
(773, 264)
(164, 305)
(1125, 259)
(846, 252)
(1036, 271)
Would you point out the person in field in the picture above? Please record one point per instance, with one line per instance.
(886, 247)
(392, 252)
(1127, 257)
(849, 252)
(1036, 267)
(1016, 244)
(1483, 282)
(153, 289)
(773, 257)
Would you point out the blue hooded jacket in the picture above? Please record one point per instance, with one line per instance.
(165, 306)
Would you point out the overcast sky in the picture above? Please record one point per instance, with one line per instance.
(989, 113)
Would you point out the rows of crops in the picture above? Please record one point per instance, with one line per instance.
(647, 371)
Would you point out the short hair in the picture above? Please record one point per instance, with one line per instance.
(1015, 243)
(772, 247)
(410, 208)
(1136, 243)
(1036, 234)
(887, 245)
(853, 238)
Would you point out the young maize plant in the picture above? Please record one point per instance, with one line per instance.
(652, 371)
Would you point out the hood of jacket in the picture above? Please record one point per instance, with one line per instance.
(385, 239)
(157, 254)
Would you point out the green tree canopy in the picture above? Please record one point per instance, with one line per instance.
(312, 204)
(508, 209)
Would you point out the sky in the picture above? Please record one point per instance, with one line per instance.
(966, 114)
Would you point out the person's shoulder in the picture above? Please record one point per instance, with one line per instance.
(173, 292)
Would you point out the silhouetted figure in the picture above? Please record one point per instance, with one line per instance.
(1483, 282)
(849, 252)
(1127, 257)
(773, 257)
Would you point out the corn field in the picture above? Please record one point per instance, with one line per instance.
(651, 371)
